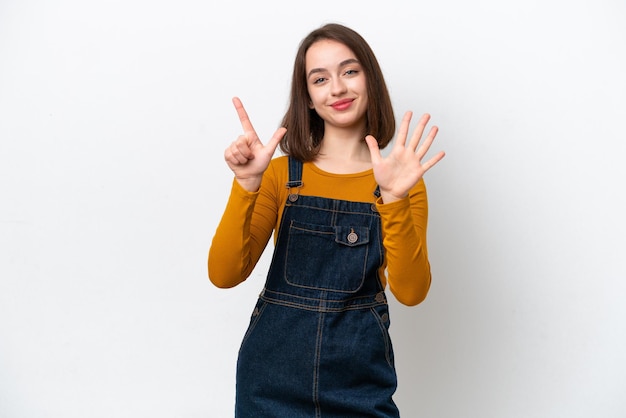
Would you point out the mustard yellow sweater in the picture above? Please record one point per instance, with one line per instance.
(250, 219)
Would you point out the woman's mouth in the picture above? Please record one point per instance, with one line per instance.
(342, 104)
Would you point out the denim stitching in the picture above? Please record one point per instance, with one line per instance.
(256, 314)
(316, 371)
(384, 335)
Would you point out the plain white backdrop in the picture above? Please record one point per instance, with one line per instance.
(113, 120)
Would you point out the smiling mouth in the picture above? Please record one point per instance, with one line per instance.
(342, 104)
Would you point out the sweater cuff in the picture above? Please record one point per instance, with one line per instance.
(240, 192)
(402, 204)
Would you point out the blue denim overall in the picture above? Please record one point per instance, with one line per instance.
(318, 342)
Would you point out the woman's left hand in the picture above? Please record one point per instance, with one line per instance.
(397, 173)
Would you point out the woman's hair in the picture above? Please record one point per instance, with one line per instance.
(305, 129)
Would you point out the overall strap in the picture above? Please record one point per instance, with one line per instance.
(295, 178)
(295, 173)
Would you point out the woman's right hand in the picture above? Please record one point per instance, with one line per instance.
(247, 156)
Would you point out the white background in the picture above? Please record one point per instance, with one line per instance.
(113, 120)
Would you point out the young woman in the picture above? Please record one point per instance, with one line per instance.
(348, 222)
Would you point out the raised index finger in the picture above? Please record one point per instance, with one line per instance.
(243, 116)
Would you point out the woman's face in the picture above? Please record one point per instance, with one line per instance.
(337, 85)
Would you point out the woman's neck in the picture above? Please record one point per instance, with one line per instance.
(343, 155)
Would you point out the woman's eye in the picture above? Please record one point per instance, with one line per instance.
(351, 72)
(318, 80)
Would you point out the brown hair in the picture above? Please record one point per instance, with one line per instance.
(305, 129)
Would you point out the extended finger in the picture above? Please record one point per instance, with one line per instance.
(403, 131)
(424, 146)
(372, 144)
(243, 117)
(419, 130)
(430, 163)
(275, 139)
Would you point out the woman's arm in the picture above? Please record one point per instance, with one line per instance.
(243, 233)
(404, 225)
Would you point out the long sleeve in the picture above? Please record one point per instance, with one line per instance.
(242, 234)
(404, 238)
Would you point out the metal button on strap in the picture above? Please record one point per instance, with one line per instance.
(380, 297)
(353, 237)
(374, 208)
(293, 197)
(384, 317)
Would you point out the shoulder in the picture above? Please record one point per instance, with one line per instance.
(280, 163)
(277, 174)
(278, 168)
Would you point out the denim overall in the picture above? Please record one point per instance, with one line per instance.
(318, 344)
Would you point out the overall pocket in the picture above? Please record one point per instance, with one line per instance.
(327, 257)
(254, 320)
(381, 316)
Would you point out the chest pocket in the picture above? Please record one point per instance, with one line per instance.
(327, 257)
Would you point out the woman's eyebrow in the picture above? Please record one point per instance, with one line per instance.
(341, 64)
